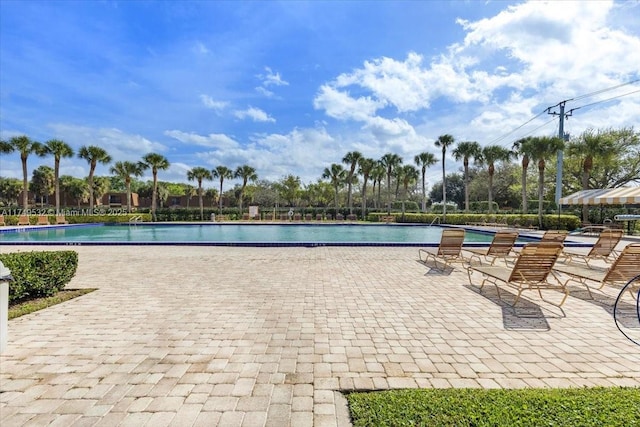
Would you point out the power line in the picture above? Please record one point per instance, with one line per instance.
(604, 100)
(587, 95)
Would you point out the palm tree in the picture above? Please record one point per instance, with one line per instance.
(94, 155)
(365, 167)
(58, 149)
(25, 146)
(409, 176)
(336, 174)
(390, 162)
(540, 149)
(423, 161)
(377, 175)
(522, 147)
(352, 158)
(126, 170)
(444, 141)
(246, 173)
(492, 154)
(155, 162)
(198, 174)
(592, 146)
(466, 150)
(222, 173)
(189, 192)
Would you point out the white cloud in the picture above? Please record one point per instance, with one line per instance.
(255, 114)
(209, 102)
(200, 48)
(212, 140)
(265, 92)
(271, 78)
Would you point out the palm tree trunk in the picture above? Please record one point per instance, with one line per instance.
(424, 193)
(444, 191)
(201, 202)
(466, 188)
(541, 166)
(25, 185)
(491, 192)
(128, 196)
(56, 172)
(154, 197)
(525, 207)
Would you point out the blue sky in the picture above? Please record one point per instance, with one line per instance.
(290, 87)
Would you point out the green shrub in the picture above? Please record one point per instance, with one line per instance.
(483, 206)
(39, 274)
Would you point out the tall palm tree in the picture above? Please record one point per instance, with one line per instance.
(93, 155)
(155, 162)
(246, 173)
(466, 150)
(409, 176)
(222, 173)
(337, 175)
(25, 146)
(126, 170)
(592, 146)
(492, 154)
(377, 175)
(542, 148)
(423, 161)
(390, 162)
(522, 147)
(189, 192)
(198, 174)
(58, 149)
(443, 142)
(365, 167)
(352, 158)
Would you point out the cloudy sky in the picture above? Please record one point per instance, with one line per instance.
(290, 87)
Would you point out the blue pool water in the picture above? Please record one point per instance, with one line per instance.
(236, 235)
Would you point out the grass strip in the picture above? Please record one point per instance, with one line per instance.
(30, 306)
(597, 406)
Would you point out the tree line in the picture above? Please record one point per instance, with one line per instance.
(594, 159)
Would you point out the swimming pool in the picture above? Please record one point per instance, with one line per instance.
(235, 235)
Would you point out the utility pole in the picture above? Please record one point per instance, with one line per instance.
(560, 155)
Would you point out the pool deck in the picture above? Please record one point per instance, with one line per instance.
(237, 336)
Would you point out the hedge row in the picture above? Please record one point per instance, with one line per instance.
(555, 222)
(39, 274)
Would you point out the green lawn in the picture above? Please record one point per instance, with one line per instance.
(477, 407)
(29, 306)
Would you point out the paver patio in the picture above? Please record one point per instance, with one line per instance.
(205, 336)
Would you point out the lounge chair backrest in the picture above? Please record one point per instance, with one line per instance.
(554, 236)
(535, 262)
(2, 220)
(626, 266)
(502, 243)
(606, 243)
(451, 242)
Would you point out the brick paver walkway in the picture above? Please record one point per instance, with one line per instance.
(205, 336)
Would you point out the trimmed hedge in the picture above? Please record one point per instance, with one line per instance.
(39, 274)
(551, 221)
(81, 218)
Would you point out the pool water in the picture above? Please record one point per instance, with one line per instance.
(234, 234)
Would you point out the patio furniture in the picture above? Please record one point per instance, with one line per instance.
(624, 268)
(601, 250)
(449, 250)
(60, 219)
(530, 271)
(43, 220)
(23, 220)
(2, 222)
(500, 248)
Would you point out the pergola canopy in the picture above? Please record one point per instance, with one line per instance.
(604, 196)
